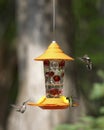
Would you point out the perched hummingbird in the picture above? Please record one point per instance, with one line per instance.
(72, 102)
(86, 59)
(21, 108)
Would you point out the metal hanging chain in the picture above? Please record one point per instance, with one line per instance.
(54, 21)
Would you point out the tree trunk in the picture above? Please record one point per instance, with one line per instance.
(34, 36)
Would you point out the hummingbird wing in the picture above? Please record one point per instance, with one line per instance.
(80, 58)
(85, 56)
(76, 104)
(83, 59)
(17, 107)
(89, 66)
(73, 101)
(26, 101)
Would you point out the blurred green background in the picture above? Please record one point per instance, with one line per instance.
(88, 22)
(89, 39)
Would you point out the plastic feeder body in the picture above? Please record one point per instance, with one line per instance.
(54, 73)
(54, 64)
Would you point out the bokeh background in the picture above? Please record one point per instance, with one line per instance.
(25, 32)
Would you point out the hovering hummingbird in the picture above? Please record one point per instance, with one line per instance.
(72, 102)
(21, 108)
(86, 59)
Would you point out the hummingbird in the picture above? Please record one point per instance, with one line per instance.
(72, 102)
(21, 108)
(86, 59)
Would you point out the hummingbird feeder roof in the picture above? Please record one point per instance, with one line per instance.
(54, 52)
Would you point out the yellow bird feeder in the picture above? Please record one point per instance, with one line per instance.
(54, 65)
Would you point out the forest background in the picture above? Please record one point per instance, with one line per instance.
(25, 32)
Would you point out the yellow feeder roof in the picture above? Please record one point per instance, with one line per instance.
(54, 52)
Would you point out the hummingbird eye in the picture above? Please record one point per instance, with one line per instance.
(67, 98)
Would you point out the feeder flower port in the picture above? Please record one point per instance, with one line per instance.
(54, 67)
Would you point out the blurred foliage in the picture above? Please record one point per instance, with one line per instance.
(89, 39)
(91, 122)
(7, 22)
(86, 123)
(98, 91)
(88, 24)
(8, 58)
(97, 94)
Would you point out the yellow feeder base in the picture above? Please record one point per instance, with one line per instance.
(51, 103)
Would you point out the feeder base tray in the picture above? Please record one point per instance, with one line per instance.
(51, 103)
